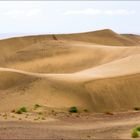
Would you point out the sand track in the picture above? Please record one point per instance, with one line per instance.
(90, 126)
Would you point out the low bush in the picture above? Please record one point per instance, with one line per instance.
(36, 106)
(40, 113)
(38, 118)
(138, 128)
(136, 108)
(73, 109)
(21, 110)
(109, 113)
(13, 111)
(135, 134)
(85, 110)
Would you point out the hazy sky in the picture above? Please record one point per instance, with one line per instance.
(69, 16)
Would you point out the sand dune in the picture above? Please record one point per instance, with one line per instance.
(61, 56)
(104, 37)
(71, 70)
(136, 38)
(103, 88)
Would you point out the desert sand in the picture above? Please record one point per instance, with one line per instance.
(96, 71)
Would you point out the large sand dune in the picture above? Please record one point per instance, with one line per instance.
(71, 70)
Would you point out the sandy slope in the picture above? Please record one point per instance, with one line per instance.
(104, 37)
(62, 71)
(61, 56)
(112, 86)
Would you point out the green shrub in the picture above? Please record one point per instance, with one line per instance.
(138, 128)
(135, 134)
(73, 109)
(21, 110)
(36, 106)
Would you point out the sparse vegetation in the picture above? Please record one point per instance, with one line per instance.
(21, 110)
(85, 110)
(73, 109)
(43, 118)
(136, 108)
(5, 118)
(13, 111)
(54, 37)
(4, 115)
(109, 113)
(40, 113)
(35, 119)
(138, 128)
(36, 106)
(135, 133)
(13, 116)
(26, 116)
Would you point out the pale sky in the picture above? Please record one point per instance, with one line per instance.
(69, 16)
